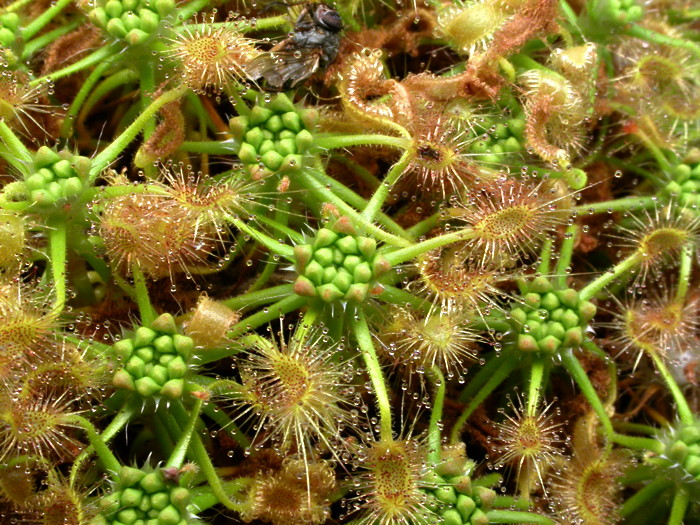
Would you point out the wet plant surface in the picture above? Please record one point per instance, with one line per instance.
(361, 263)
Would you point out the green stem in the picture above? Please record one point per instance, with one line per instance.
(111, 152)
(80, 97)
(211, 147)
(44, 40)
(258, 298)
(498, 376)
(92, 59)
(681, 500)
(202, 499)
(403, 255)
(277, 247)
(199, 454)
(142, 298)
(638, 443)
(684, 272)
(377, 200)
(624, 266)
(177, 457)
(684, 412)
(566, 251)
(545, 256)
(20, 157)
(579, 375)
(533, 395)
(119, 421)
(514, 516)
(435, 426)
(44, 18)
(635, 427)
(619, 205)
(226, 424)
(374, 369)
(644, 496)
(643, 33)
(58, 249)
(108, 459)
(347, 141)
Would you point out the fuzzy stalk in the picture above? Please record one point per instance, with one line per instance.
(436, 377)
(374, 369)
(685, 414)
(621, 268)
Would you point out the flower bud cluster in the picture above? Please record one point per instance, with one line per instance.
(685, 186)
(339, 264)
(144, 497)
(684, 450)
(155, 360)
(133, 21)
(549, 320)
(9, 27)
(498, 138)
(273, 137)
(458, 502)
(57, 178)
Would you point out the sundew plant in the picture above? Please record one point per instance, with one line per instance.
(368, 263)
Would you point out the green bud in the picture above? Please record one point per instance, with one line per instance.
(574, 337)
(367, 246)
(690, 434)
(72, 186)
(180, 497)
(292, 163)
(576, 178)
(143, 336)
(325, 238)
(149, 20)
(45, 157)
(145, 504)
(357, 292)
(123, 379)
(266, 146)
(173, 389)
(160, 500)
(239, 126)
(324, 256)
(99, 17)
(527, 343)
(511, 145)
(34, 182)
(569, 319)
(135, 366)
(557, 330)
(446, 494)
(281, 104)
(183, 345)
(304, 287)
(272, 160)
(485, 497)
(55, 190)
(329, 293)
(164, 359)
(550, 344)
(129, 476)
(291, 121)
(304, 140)
(159, 374)
(164, 344)
(114, 8)
(692, 465)
(177, 368)
(678, 451)
(550, 301)
(587, 311)
(128, 516)
(465, 506)
(274, 124)
(164, 7)
(532, 299)
(541, 285)
(131, 497)
(451, 517)
(10, 20)
(343, 280)
(115, 27)
(146, 354)
(314, 271)
(247, 153)
(146, 386)
(153, 482)
(568, 297)
(462, 484)
(130, 5)
(286, 147)
(259, 115)
(479, 517)
(348, 245)
(302, 255)
(329, 274)
(362, 273)
(350, 262)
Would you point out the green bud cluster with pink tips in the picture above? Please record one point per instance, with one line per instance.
(133, 21)
(142, 497)
(683, 450)
(273, 137)
(339, 264)
(154, 361)
(548, 320)
(58, 178)
(685, 186)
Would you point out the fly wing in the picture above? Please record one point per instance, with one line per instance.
(280, 67)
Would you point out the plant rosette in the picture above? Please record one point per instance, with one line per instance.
(273, 137)
(57, 178)
(133, 21)
(548, 320)
(144, 496)
(338, 264)
(155, 361)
